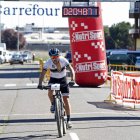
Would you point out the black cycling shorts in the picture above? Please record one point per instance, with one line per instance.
(64, 90)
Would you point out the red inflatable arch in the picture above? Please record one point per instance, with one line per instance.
(88, 49)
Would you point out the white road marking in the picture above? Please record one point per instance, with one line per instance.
(15, 71)
(27, 84)
(45, 114)
(85, 113)
(13, 85)
(31, 84)
(74, 136)
(9, 85)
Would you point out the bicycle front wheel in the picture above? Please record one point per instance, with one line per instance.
(64, 123)
(58, 115)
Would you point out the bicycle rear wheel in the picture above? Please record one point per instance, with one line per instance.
(58, 115)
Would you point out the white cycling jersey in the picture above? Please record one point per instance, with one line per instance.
(53, 68)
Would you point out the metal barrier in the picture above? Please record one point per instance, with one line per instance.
(121, 67)
(41, 65)
(47, 75)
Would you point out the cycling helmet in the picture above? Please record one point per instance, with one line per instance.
(54, 52)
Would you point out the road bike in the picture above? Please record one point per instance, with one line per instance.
(59, 107)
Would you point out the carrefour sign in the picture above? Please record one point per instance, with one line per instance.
(42, 14)
(33, 9)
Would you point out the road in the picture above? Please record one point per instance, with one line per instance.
(24, 110)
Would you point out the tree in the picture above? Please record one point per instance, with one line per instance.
(110, 43)
(10, 37)
(117, 36)
(120, 34)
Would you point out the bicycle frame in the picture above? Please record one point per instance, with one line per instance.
(59, 110)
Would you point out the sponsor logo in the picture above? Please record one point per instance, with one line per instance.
(88, 35)
(30, 9)
(90, 66)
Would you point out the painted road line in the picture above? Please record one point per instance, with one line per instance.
(31, 84)
(74, 136)
(4, 124)
(9, 85)
(89, 113)
(45, 114)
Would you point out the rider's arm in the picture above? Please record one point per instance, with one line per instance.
(41, 76)
(72, 73)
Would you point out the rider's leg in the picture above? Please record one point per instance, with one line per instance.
(50, 92)
(50, 95)
(68, 110)
(67, 106)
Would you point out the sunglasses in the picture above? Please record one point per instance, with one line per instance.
(54, 57)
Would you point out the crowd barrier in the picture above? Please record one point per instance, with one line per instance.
(125, 88)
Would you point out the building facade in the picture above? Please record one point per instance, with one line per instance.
(134, 13)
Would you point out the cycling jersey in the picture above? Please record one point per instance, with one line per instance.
(53, 68)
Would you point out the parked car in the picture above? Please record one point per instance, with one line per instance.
(137, 64)
(68, 56)
(8, 56)
(16, 59)
(121, 58)
(3, 54)
(65, 40)
(1, 61)
(27, 57)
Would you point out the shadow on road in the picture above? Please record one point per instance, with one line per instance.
(73, 119)
(111, 106)
(28, 137)
(20, 75)
(18, 69)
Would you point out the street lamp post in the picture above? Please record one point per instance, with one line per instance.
(18, 38)
(0, 21)
(18, 35)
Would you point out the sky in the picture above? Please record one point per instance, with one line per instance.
(112, 13)
(115, 12)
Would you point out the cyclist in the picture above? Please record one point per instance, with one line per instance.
(57, 65)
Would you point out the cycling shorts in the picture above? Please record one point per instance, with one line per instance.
(65, 89)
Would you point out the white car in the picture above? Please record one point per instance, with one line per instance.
(8, 56)
(16, 59)
(1, 61)
(27, 57)
(3, 54)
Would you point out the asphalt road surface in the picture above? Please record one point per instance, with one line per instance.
(25, 115)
